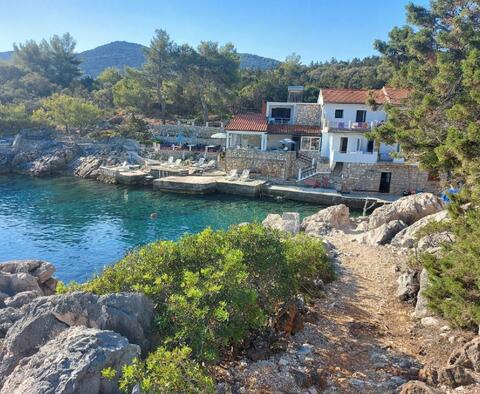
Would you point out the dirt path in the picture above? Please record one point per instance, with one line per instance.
(358, 339)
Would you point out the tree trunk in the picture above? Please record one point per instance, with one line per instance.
(163, 108)
(205, 110)
(161, 101)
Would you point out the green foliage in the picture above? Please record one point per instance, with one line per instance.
(54, 60)
(438, 58)
(307, 259)
(167, 372)
(13, 118)
(135, 128)
(213, 288)
(109, 373)
(159, 69)
(61, 110)
(455, 275)
(130, 93)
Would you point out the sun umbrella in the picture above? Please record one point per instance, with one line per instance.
(287, 141)
(219, 136)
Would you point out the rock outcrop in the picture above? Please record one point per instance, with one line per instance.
(72, 363)
(421, 308)
(383, 234)
(32, 276)
(462, 369)
(408, 209)
(334, 217)
(408, 286)
(44, 318)
(42, 152)
(407, 237)
(288, 221)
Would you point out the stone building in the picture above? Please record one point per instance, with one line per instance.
(325, 142)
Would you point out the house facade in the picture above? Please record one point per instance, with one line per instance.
(325, 141)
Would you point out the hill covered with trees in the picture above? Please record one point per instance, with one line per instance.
(121, 54)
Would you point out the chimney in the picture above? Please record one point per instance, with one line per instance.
(295, 94)
(264, 107)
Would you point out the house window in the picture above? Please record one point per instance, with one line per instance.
(370, 145)
(358, 144)
(310, 144)
(361, 116)
(339, 114)
(281, 115)
(343, 144)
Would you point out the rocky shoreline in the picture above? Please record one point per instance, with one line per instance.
(44, 152)
(61, 342)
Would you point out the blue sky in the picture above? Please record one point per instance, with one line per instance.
(314, 29)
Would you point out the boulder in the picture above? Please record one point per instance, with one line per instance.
(455, 376)
(20, 299)
(407, 237)
(38, 271)
(12, 284)
(408, 209)
(88, 167)
(72, 363)
(432, 243)
(8, 316)
(291, 222)
(408, 286)
(336, 216)
(421, 307)
(53, 162)
(42, 319)
(382, 234)
(467, 356)
(417, 387)
(288, 221)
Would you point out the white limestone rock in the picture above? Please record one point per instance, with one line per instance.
(409, 209)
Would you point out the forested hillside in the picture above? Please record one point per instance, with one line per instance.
(166, 80)
(121, 54)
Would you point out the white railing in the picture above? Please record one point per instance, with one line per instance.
(279, 120)
(355, 157)
(349, 125)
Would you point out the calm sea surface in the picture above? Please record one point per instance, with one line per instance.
(82, 225)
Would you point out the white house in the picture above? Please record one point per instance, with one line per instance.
(326, 140)
(346, 118)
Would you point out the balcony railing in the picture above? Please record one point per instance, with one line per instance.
(279, 120)
(349, 125)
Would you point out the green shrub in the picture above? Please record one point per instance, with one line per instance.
(308, 260)
(455, 276)
(213, 288)
(167, 372)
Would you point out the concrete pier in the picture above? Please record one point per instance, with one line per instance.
(328, 197)
(208, 184)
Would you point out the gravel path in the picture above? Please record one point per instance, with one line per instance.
(358, 339)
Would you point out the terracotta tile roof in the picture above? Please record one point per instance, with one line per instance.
(360, 96)
(395, 96)
(249, 121)
(258, 122)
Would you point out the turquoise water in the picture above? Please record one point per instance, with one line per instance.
(82, 225)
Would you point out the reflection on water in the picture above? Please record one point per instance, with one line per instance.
(81, 225)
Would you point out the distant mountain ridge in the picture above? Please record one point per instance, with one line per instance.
(120, 54)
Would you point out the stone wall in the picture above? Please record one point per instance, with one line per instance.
(354, 177)
(308, 114)
(269, 164)
(366, 178)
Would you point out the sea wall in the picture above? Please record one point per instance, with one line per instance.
(269, 164)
